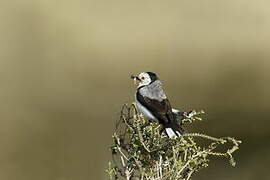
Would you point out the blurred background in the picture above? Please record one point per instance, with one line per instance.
(65, 72)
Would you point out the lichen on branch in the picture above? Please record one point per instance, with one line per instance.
(140, 151)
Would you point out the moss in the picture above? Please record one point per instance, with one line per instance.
(141, 151)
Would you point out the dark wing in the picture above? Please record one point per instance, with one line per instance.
(160, 109)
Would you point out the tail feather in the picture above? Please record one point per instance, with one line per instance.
(174, 130)
(171, 133)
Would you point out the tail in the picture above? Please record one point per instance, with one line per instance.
(174, 130)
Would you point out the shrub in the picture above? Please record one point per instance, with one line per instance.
(141, 151)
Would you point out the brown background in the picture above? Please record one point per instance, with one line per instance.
(65, 67)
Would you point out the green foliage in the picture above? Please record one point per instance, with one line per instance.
(141, 152)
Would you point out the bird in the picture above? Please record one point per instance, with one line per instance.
(153, 104)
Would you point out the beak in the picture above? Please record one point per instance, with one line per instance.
(135, 78)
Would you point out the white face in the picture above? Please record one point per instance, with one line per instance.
(144, 79)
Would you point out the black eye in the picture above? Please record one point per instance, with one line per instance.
(142, 78)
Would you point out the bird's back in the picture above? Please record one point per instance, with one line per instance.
(153, 91)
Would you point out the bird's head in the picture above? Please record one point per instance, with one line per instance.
(144, 78)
